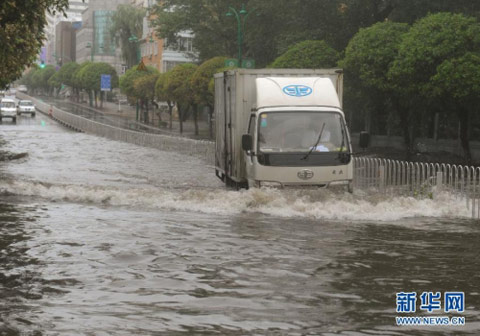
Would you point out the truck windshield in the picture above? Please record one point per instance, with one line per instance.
(300, 132)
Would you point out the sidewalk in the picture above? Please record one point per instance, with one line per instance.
(129, 112)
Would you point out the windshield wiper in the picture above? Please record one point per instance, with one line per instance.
(316, 143)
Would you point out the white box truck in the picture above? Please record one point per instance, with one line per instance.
(281, 127)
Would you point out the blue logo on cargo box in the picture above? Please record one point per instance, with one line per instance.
(297, 90)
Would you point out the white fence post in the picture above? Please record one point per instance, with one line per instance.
(439, 181)
(381, 175)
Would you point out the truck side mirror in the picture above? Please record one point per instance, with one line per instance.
(247, 142)
(364, 139)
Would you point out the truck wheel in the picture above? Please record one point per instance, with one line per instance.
(33, 114)
(14, 119)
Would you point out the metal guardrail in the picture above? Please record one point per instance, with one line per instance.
(419, 179)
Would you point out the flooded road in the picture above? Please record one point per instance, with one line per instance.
(105, 238)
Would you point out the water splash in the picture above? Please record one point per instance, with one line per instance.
(316, 204)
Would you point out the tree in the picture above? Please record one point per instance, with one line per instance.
(19, 49)
(178, 87)
(200, 84)
(40, 78)
(457, 81)
(430, 42)
(127, 21)
(78, 83)
(162, 95)
(55, 83)
(27, 79)
(308, 55)
(128, 79)
(273, 26)
(144, 89)
(66, 74)
(368, 58)
(91, 78)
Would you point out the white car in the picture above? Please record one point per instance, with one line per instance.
(8, 109)
(26, 106)
(22, 88)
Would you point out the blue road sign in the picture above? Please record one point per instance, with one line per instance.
(106, 83)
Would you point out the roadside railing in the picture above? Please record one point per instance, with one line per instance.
(419, 179)
(199, 148)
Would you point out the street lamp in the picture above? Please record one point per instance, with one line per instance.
(241, 17)
(89, 45)
(134, 40)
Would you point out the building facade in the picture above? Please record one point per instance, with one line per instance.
(158, 52)
(55, 25)
(94, 41)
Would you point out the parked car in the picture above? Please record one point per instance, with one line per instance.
(22, 88)
(26, 106)
(8, 109)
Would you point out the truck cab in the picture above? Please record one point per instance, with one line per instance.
(294, 133)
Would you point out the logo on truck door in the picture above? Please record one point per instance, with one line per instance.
(297, 90)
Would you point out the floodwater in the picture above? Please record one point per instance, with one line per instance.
(105, 238)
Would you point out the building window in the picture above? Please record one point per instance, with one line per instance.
(103, 42)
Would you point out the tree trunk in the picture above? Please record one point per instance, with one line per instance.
(95, 95)
(146, 111)
(195, 117)
(102, 97)
(170, 112)
(180, 117)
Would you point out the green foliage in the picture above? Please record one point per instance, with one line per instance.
(127, 22)
(77, 75)
(21, 33)
(429, 42)
(371, 52)
(41, 76)
(128, 79)
(66, 73)
(203, 76)
(144, 87)
(307, 55)
(54, 81)
(177, 84)
(27, 78)
(90, 75)
(459, 77)
(160, 91)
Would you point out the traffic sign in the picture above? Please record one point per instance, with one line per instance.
(231, 63)
(248, 63)
(141, 66)
(106, 83)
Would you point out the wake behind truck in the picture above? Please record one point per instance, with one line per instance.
(281, 128)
